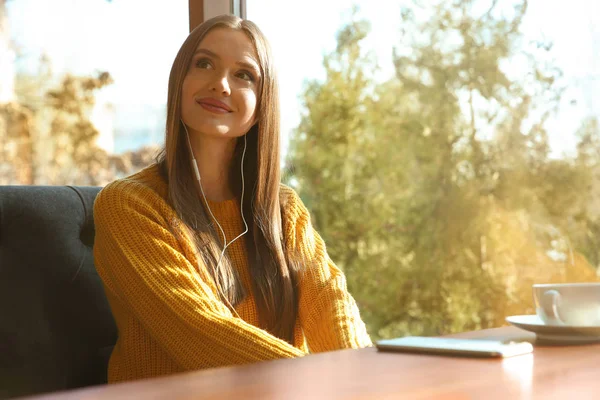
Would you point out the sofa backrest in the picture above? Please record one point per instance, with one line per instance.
(56, 328)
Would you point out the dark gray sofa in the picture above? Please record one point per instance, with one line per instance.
(56, 328)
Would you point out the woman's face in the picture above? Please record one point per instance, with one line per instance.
(220, 90)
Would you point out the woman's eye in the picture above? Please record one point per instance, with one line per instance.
(245, 75)
(203, 63)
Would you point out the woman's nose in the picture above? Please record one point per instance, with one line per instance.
(221, 85)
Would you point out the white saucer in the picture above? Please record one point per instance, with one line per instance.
(560, 334)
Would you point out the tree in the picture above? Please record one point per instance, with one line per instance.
(76, 156)
(46, 132)
(434, 190)
(48, 136)
(16, 163)
(45, 125)
(7, 57)
(584, 227)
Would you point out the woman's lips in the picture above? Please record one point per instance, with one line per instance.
(214, 106)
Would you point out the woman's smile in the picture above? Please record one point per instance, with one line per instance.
(214, 105)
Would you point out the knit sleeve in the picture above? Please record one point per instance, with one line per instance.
(143, 265)
(328, 313)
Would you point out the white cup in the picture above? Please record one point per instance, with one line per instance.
(572, 304)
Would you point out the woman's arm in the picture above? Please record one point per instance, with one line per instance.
(142, 263)
(328, 314)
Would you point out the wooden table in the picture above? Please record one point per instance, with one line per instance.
(565, 372)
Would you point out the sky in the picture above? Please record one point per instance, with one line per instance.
(138, 48)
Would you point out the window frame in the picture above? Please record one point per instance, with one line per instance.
(201, 10)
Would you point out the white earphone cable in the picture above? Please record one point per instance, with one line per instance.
(225, 244)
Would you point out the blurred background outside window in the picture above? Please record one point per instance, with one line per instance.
(83, 87)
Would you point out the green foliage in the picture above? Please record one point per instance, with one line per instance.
(434, 190)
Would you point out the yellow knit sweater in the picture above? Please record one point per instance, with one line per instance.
(168, 314)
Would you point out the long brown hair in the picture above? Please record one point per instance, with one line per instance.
(273, 273)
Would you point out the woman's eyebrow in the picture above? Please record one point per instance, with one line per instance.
(207, 52)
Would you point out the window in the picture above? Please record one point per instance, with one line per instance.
(449, 151)
(84, 87)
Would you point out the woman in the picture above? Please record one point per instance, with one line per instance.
(207, 260)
